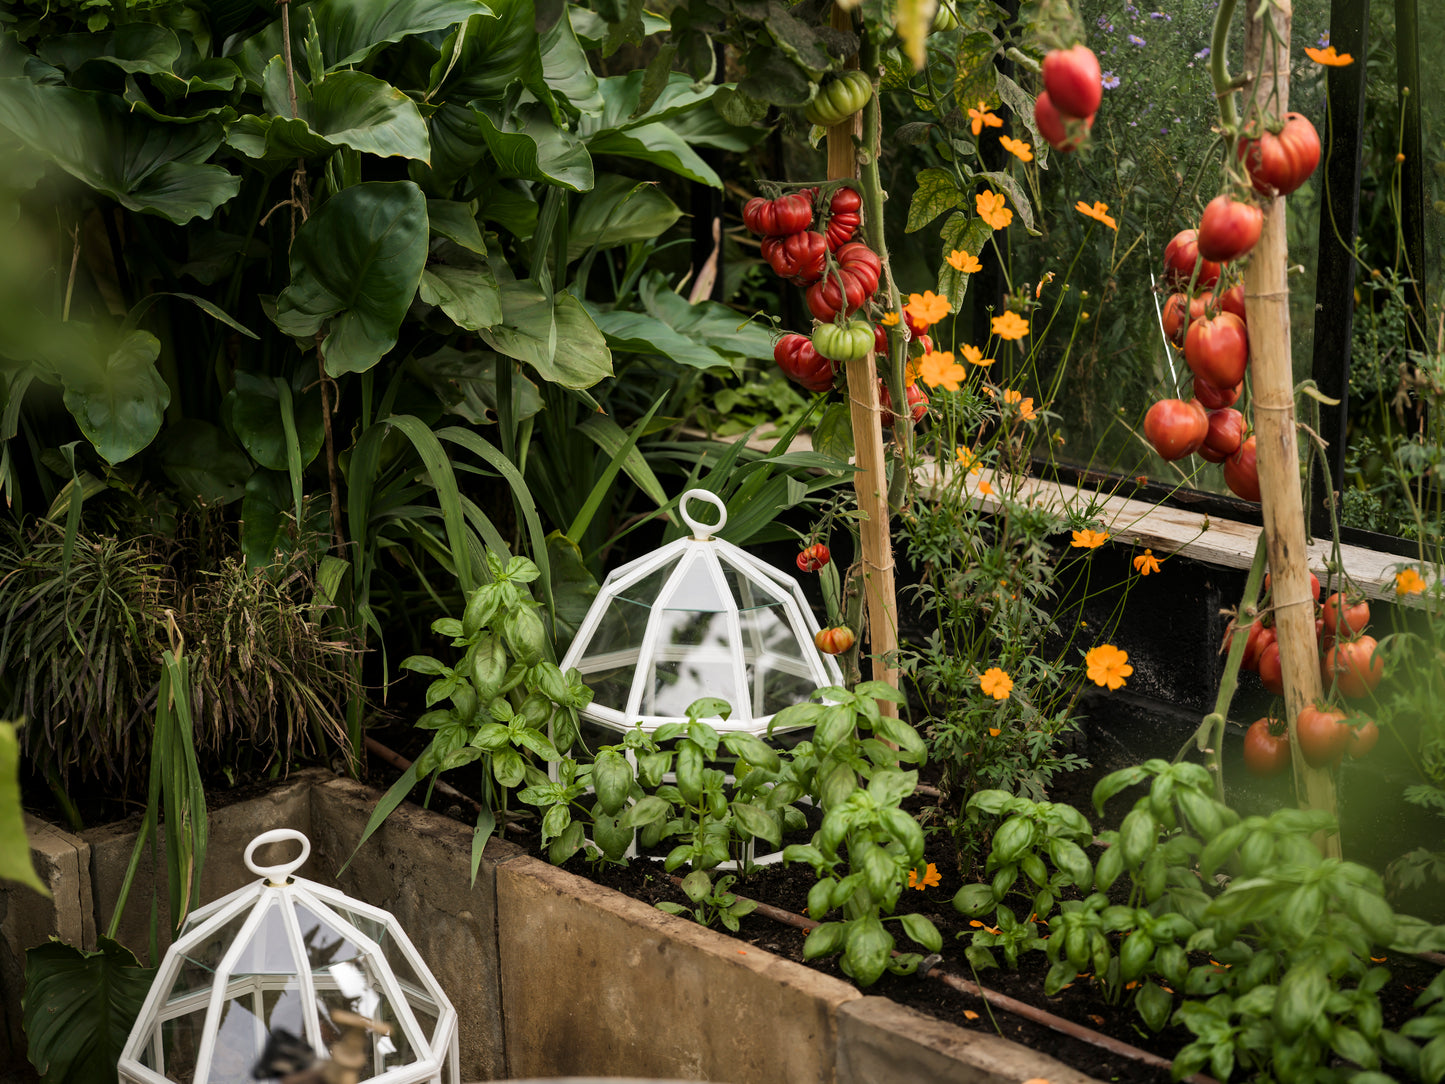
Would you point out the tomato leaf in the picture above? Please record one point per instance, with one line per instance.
(937, 191)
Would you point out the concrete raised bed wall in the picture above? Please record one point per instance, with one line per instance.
(550, 974)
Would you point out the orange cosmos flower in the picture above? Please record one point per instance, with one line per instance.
(974, 356)
(1089, 539)
(889, 319)
(1099, 212)
(967, 458)
(1010, 326)
(939, 369)
(927, 308)
(992, 208)
(1146, 563)
(960, 260)
(930, 877)
(996, 683)
(1108, 666)
(1018, 148)
(980, 117)
(1329, 58)
(984, 489)
(1409, 582)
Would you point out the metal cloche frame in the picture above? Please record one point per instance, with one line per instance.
(278, 892)
(704, 556)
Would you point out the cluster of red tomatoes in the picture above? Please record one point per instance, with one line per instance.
(839, 276)
(1207, 320)
(1073, 88)
(1348, 664)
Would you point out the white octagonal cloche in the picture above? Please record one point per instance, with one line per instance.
(290, 966)
(698, 618)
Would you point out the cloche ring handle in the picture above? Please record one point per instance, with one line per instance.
(701, 531)
(278, 873)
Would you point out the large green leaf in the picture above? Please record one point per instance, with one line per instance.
(79, 1008)
(469, 295)
(527, 144)
(618, 211)
(720, 327)
(145, 165)
(203, 462)
(555, 336)
(659, 144)
(114, 392)
(352, 30)
(131, 47)
(489, 53)
(268, 519)
(351, 109)
(255, 406)
(457, 222)
(565, 66)
(639, 333)
(466, 384)
(15, 863)
(356, 263)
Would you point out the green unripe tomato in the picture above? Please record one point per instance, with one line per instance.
(839, 98)
(943, 18)
(848, 342)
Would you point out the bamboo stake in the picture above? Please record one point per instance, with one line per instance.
(871, 480)
(1266, 297)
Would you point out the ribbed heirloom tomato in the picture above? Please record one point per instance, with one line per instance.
(778, 217)
(1229, 229)
(839, 98)
(846, 288)
(1064, 133)
(1176, 428)
(1279, 162)
(1216, 398)
(1354, 666)
(1241, 472)
(1321, 734)
(1226, 434)
(849, 342)
(799, 257)
(844, 217)
(1345, 618)
(813, 557)
(1266, 748)
(1216, 348)
(1174, 315)
(1180, 255)
(802, 364)
(1073, 81)
(833, 641)
(917, 404)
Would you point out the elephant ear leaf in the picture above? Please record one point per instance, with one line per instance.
(113, 390)
(355, 267)
(144, 165)
(80, 1007)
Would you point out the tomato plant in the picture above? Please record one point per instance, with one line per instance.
(1073, 81)
(1229, 228)
(778, 217)
(813, 557)
(1216, 348)
(1176, 428)
(1064, 133)
(1345, 618)
(1321, 734)
(1214, 398)
(1266, 747)
(844, 217)
(1241, 472)
(1354, 666)
(848, 342)
(1225, 435)
(799, 257)
(917, 403)
(802, 364)
(833, 641)
(1180, 256)
(1278, 162)
(839, 98)
(846, 287)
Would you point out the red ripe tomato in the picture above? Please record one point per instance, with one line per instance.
(1216, 398)
(1345, 618)
(802, 364)
(880, 339)
(1174, 324)
(1271, 669)
(1216, 349)
(1225, 435)
(844, 217)
(778, 217)
(1233, 300)
(1279, 162)
(1266, 748)
(1229, 229)
(1321, 735)
(1241, 472)
(1064, 133)
(917, 403)
(1314, 585)
(799, 257)
(813, 557)
(1362, 739)
(1073, 81)
(1180, 255)
(1260, 637)
(1176, 428)
(846, 288)
(1354, 666)
(833, 641)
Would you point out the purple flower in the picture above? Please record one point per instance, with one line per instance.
(1163, 131)
(1324, 40)
(1105, 25)
(1203, 54)
(1135, 39)
(1132, 10)
(1110, 81)
(1161, 15)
